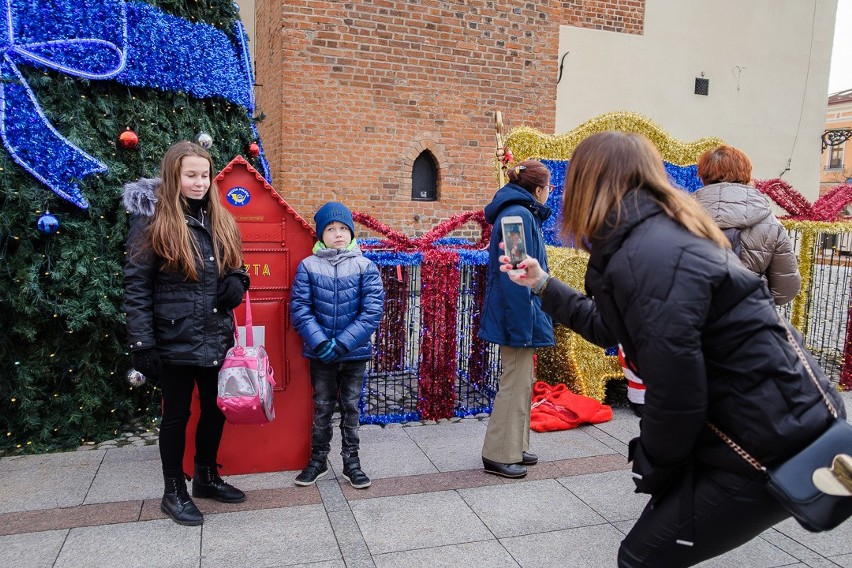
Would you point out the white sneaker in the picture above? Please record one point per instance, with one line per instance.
(837, 479)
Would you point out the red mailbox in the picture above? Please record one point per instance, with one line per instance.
(275, 240)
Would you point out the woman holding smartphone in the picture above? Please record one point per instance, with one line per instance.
(513, 319)
(706, 339)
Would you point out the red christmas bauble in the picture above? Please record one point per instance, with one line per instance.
(128, 140)
(253, 150)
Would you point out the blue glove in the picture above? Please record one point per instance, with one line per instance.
(326, 352)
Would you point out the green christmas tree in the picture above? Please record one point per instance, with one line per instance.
(166, 70)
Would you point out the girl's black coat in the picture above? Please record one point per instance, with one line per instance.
(165, 310)
(707, 341)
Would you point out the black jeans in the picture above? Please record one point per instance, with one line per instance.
(336, 382)
(177, 384)
(728, 510)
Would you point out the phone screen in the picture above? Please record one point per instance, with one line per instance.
(513, 237)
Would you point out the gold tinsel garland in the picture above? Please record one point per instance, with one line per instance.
(582, 366)
(810, 230)
(526, 142)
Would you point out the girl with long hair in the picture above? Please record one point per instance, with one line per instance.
(182, 279)
(705, 337)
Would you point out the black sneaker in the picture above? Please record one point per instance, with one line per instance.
(357, 478)
(313, 471)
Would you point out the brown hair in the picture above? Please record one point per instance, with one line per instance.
(604, 167)
(170, 236)
(724, 164)
(530, 175)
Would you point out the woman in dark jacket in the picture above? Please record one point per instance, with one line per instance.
(513, 319)
(182, 278)
(706, 339)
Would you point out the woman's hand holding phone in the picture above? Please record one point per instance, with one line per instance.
(527, 274)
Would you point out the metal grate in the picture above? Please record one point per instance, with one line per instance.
(702, 86)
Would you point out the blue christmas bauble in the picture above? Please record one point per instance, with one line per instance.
(48, 224)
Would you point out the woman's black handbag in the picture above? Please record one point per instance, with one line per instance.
(791, 482)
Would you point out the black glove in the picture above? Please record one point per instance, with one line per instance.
(230, 293)
(147, 361)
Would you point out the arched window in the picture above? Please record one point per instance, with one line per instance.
(424, 177)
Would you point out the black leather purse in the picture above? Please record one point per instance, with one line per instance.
(791, 482)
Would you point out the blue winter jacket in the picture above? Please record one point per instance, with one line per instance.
(337, 294)
(512, 315)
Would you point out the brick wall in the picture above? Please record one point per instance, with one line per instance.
(354, 91)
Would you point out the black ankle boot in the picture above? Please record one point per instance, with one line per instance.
(177, 503)
(206, 483)
(352, 472)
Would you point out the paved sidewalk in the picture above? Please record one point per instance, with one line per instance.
(430, 505)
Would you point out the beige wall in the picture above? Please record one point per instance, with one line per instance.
(767, 62)
(247, 17)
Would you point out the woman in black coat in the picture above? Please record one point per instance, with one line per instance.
(706, 339)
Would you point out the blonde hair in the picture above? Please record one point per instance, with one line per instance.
(169, 233)
(604, 167)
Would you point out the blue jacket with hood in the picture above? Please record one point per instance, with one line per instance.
(512, 315)
(337, 294)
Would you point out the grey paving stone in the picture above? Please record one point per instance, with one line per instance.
(348, 534)
(623, 427)
(160, 543)
(567, 444)
(835, 542)
(126, 481)
(268, 538)
(331, 493)
(132, 453)
(59, 459)
(610, 494)
(589, 547)
(757, 553)
(392, 453)
(845, 561)
(451, 446)
(488, 553)
(34, 550)
(269, 480)
(46, 486)
(513, 509)
(392, 524)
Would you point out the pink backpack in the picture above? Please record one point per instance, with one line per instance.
(246, 381)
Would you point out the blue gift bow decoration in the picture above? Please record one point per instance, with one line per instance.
(129, 42)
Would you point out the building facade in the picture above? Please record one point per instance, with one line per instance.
(388, 105)
(837, 141)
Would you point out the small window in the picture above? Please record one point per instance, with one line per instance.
(424, 178)
(835, 158)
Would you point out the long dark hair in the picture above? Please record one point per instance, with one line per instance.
(604, 167)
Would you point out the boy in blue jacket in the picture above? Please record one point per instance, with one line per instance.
(336, 304)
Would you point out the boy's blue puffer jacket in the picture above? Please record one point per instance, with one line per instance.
(337, 294)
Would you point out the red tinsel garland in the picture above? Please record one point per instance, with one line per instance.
(827, 208)
(846, 370)
(438, 358)
(398, 242)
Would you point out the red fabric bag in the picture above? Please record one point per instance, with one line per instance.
(555, 407)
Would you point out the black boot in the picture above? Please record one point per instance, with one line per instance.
(206, 483)
(177, 503)
(352, 472)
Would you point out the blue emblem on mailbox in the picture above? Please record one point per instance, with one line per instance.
(238, 196)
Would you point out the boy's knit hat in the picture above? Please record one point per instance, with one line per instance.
(333, 211)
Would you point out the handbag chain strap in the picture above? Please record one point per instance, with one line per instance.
(831, 409)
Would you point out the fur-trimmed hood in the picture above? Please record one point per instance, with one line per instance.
(140, 197)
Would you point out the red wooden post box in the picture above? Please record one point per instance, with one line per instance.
(275, 240)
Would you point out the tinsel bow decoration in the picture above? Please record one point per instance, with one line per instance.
(438, 364)
(828, 207)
